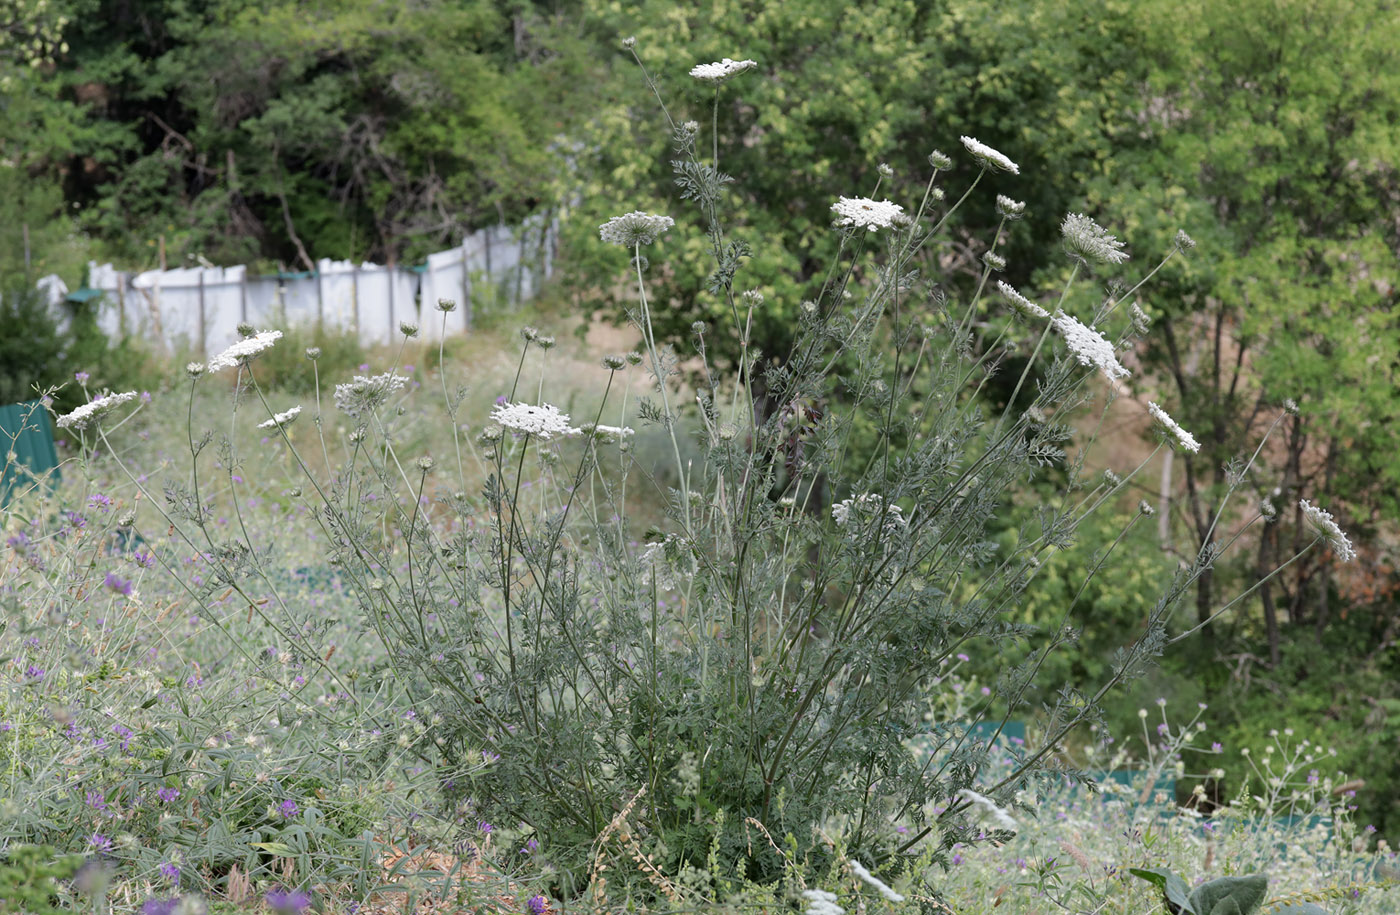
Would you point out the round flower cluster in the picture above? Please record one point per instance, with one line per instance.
(544, 421)
(281, 419)
(1322, 522)
(1088, 242)
(635, 228)
(240, 352)
(721, 70)
(1089, 346)
(864, 213)
(1023, 305)
(363, 394)
(988, 157)
(80, 418)
(870, 505)
(1010, 209)
(1168, 425)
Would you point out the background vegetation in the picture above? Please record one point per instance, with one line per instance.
(274, 132)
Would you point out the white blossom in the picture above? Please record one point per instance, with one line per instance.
(240, 352)
(281, 419)
(544, 421)
(869, 505)
(1010, 209)
(1019, 302)
(880, 886)
(1088, 242)
(80, 418)
(988, 806)
(820, 902)
(1089, 346)
(1183, 438)
(988, 157)
(864, 213)
(635, 228)
(721, 70)
(1322, 522)
(363, 394)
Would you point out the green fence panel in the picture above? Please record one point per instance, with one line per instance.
(25, 431)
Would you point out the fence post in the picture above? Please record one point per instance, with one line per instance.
(355, 297)
(320, 300)
(390, 273)
(121, 304)
(466, 287)
(242, 289)
(203, 337)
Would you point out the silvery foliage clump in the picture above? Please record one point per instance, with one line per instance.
(773, 654)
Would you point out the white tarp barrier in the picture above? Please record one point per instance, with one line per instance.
(201, 307)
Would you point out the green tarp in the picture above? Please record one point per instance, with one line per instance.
(25, 432)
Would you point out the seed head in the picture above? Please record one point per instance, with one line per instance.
(1010, 209)
(194, 370)
(994, 260)
(408, 328)
(446, 305)
(1088, 243)
(884, 170)
(614, 362)
(939, 160)
(629, 43)
(313, 353)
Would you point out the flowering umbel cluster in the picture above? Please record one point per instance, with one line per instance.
(1322, 522)
(1089, 243)
(543, 421)
(240, 352)
(363, 394)
(1177, 435)
(281, 419)
(721, 70)
(988, 157)
(864, 213)
(89, 412)
(1023, 306)
(1089, 346)
(635, 228)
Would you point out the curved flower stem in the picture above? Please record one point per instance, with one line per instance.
(649, 337)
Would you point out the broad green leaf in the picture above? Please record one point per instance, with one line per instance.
(1246, 893)
(1172, 887)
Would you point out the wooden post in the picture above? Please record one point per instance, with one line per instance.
(203, 335)
(355, 297)
(121, 304)
(466, 287)
(391, 273)
(320, 300)
(242, 284)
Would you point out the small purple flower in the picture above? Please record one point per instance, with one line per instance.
(1217, 747)
(288, 809)
(95, 800)
(537, 904)
(166, 795)
(82, 378)
(117, 585)
(485, 827)
(287, 902)
(170, 870)
(100, 502)
(963, 657)
(100, 843)
(154, 906)
(35, 673)
(145, 560)
(145, 396)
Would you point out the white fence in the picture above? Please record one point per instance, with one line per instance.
(203, 306)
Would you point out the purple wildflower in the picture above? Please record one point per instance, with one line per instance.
(82, 377)
(100, 502)
(95, 800)
(117, 585)
(154, 906)
(485, 827)
(34, 673)
(166, 795)
(170, 870)
(287, 902)
(288, 809)
(537, 904)
(100, 843)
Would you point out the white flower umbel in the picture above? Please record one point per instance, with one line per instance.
(864, 213)
(1010, 209)
(89, 412)
(604, 432)
(635, 228)
(880, 886)
(820, 902)
(281, 419)
(721, 70)
(364, 394)
(869, 505)
(1023, 305)
(1168, 425)
(1089, 243)
(1089, 346)
(1322, 522)
(240, 352)
(988, 157)
(986, 805)
(543, 421)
